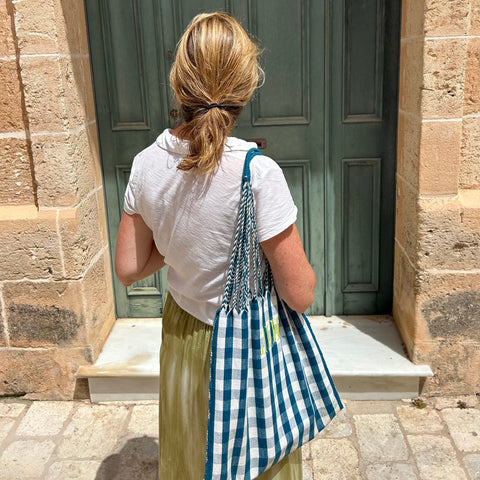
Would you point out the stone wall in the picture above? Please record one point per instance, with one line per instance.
(56, 300)
(56, 294)
(437, 240)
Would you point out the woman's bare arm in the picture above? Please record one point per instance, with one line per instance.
(293, 275)
(136, 255)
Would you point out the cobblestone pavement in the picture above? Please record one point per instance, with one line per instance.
(373, 440)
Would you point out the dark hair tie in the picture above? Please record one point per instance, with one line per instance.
(214, 105)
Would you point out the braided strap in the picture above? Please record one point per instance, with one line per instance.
(245, 280)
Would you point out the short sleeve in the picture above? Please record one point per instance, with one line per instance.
(131, 192)
(275, 209)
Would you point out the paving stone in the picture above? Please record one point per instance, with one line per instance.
(25, 459)
(452, 402)
(380, 438)
(306, 452)
(45, 418)
(371, 406)
(340, 426)
(307, 471)
(137, 459)
(472, 464)
(144, 421)
(73, 470)
(93, 431)
(6, 425)
(464, 427)
(11, 409)
(416, 420)
(395, 471)
(335, 459)
(435, 457)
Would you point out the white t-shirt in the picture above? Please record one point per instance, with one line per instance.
(193, 217)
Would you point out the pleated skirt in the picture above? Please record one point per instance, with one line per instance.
(183, 410)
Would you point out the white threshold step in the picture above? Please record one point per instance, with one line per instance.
(364, 354)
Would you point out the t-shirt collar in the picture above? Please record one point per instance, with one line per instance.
(174, 145)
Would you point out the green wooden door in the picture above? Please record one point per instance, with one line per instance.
(326, 114)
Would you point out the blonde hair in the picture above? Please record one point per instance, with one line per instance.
(214, 75)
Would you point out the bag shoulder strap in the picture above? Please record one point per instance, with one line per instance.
(244, 277)
(246, 177)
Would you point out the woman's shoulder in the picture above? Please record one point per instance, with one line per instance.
(240, 147)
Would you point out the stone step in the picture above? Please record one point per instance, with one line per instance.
(364, 353)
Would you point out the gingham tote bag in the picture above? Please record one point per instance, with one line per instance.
(270, 390)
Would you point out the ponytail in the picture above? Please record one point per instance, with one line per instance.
(214, 75)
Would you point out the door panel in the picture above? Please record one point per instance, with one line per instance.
(326, 114)
(361, 162)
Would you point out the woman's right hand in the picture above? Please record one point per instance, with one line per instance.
(292, 273)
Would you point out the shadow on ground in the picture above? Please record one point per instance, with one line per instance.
(138, 459)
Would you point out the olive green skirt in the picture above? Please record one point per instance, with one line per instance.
(184, 377)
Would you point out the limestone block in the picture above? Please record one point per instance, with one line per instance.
(6, 426)
(102, 216)
(380, 438)
(71, 26)
(411, 79)
(64, 168)
(444, 17)
(443, 78)
(75, 83)
(93, 421)
(30, 244)
(415, 420)
(404, 299)
(469, 175)
(92, 135)
(450, 304)
(340, 426)
(89, 99)
(440, 403)
(97, 291)
(81, 236)
(25, 459)
(472, 464)
(454, 362)
(472, 77)
(406, 219)
(391, 471)
(464, 428)
(12, 410)
(408, 148)
(3, 338)
(11, 109)
(15, 172)
(7, 44)
(334, 459)
(74, 469)
(41, 374)
(412, 18)
(36, 27)
(44, 94)
(474, 17)
(43, 314)
(44, 418)
(449, 234)
(439, 152)
(144, 421)
(435, 458)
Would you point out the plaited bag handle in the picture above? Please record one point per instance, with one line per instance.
(245, 263)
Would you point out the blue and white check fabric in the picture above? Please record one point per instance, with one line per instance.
(270, 389)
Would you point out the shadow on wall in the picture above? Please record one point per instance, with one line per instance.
(138, 459)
